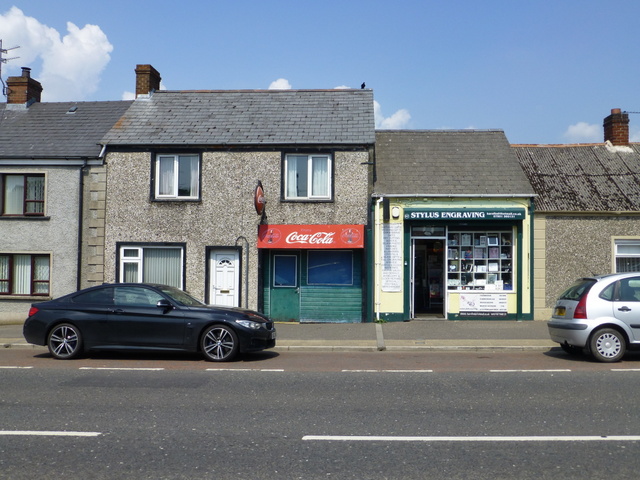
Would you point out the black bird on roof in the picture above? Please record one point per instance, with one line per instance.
(363, 85)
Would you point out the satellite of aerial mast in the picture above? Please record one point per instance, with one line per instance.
(5, 60)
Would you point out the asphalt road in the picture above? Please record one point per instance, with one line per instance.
(352, 416)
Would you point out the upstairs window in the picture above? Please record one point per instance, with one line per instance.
(22, 195)
(177, 177)
(307, 177)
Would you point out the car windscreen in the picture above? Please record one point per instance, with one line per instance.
(578, 289)
(180, 297)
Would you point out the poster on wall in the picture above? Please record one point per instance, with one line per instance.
(483, 304)
(392, 257)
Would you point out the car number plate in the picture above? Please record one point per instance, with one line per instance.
(560, 311)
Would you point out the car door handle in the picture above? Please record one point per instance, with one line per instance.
(624, 309)
(118, 311)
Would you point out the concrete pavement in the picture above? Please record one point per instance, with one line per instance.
(434, 335)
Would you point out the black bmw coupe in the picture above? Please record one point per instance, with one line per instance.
(145, 317)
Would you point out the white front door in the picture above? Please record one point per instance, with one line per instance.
(225, 277)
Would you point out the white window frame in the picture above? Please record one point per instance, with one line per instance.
(310, 177)
(624, 248)
(174, 186)
(138, 259)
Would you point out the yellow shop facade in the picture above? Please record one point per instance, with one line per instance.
(451, 218)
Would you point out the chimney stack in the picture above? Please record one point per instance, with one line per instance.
(616, 127)
(23, 89)
(147, 80)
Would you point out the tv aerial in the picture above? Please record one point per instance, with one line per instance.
(5, 60)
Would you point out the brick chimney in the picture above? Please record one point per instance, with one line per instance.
(147, 80)
(616, 127)
(23, 89)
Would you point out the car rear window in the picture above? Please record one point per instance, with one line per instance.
(578, 289)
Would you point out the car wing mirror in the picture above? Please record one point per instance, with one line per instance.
(164, 304)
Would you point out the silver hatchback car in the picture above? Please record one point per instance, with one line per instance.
(600, 315)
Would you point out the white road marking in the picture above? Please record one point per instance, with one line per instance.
(387, 371)
(625, 369)
(125, 369)
(53, 433)
(9, 366)
(532, 371)
(568, 438)
(245, 370)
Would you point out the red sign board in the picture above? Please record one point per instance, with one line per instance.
(311, 236)
(258, 199)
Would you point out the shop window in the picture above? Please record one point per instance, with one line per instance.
(151, 264)
(24, 274)
(22, 195)
(480, 260)
(307, 177)
(330, 267)
(627, 256)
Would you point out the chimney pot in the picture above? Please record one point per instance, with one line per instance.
(26, 72)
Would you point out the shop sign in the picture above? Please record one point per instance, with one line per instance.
(259, 200)
(311, 236)
(464, 214)
(483, 305)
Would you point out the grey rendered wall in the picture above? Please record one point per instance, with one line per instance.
(226, 212)
(56, 235)
(578, 246)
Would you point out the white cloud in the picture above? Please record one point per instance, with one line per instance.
(582, 132)
(280, 84)
(634, 136)
(71, 64)
(398, 120)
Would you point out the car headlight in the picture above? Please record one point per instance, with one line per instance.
(249, 324)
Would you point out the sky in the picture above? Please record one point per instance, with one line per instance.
(544, 71)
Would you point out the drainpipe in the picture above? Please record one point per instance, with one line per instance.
(376, 250)
(80, 223)
(246, 269)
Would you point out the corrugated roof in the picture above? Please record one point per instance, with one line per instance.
(583, 178)
(447, 162)
(50, 130)
(248, 117)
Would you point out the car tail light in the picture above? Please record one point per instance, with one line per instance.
(33, 311)
(581, 308)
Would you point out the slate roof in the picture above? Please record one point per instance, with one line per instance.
(46, 130)
(447, 162)
(247, 117)
(583, 178)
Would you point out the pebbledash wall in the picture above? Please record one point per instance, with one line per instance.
(570, 246)
(224, 217)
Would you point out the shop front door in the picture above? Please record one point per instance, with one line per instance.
(428, 277)
(285, 287)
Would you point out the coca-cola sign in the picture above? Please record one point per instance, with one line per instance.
(311, 236)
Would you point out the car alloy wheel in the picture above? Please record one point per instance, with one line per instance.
(607, 345)
(65, 341)
(219, 343)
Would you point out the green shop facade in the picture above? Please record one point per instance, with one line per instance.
(457, 258)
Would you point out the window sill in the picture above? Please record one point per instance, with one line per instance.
(307, 200)
(29, 298)
(176, 200)
(30, 218)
